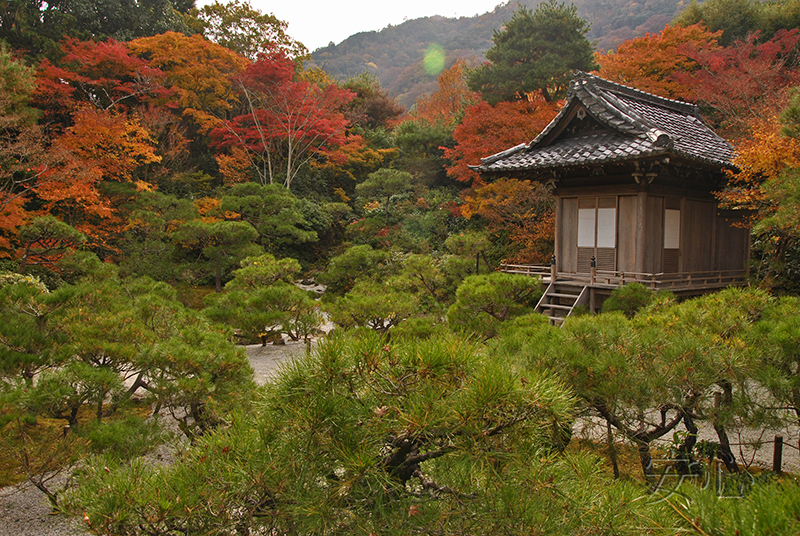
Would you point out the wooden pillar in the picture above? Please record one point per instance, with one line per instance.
(684, 237)
(641, 233)
(559, 229)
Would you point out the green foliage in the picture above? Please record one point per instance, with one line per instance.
(216, 247)
(419, 327)
(280, 307)
(468, 244)
(31, 329)
(61, 393)
(260, 299)
(81, 342)
(366, 437)
(628, 299)
(536, 52)
(373, 107)
(483, 302)
(247, 31)
(273, 211)
(739, 18)
(262, 271)
(17, 83)
(125, 438)
(421, 146)
(775, 340)
(433, 279)
(147, 245)
(790, 116)
(38, 27)
(670, 356)
(47, 239)
(373, 305)
(356, 262)
(769, 508)
(384, 185)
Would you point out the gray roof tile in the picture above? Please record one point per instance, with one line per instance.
(638, 125)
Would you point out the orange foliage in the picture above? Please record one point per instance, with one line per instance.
(743, 80)
(355, 159)
(649, 63)
(12, 215)
(197, 70)
(761, 157)
(210, 210)
(100, 74)
(100, 146)
(523, 209)
(235, 166)
(451, 97)
(486, 130)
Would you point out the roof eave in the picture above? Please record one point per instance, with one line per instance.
(706, 162)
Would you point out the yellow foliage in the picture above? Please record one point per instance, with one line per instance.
(234, 167)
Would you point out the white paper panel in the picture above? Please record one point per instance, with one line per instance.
(586, 227)
(672, 229)
(606, 227)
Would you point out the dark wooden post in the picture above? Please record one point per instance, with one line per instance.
(777, 454)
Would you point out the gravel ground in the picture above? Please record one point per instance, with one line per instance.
(25, 512)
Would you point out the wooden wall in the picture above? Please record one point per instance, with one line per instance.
(707, 241)
(567, 255)
(697, 236)
(654, 234)
(627, 218)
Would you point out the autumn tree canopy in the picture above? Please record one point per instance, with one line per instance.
(238, 26)
(487, 129)
(286, 122)
(651, 62)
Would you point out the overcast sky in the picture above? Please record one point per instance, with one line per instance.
(315, 23)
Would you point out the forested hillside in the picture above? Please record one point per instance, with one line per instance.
(395, 54)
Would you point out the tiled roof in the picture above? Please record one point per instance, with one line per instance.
(636, 124)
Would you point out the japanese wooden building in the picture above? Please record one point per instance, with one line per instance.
(633, 175)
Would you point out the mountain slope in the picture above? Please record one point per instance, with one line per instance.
(395, 53)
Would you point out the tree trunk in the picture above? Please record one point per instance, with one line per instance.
(646, 460)
(686, 463)
(612, 450)
(725, 452)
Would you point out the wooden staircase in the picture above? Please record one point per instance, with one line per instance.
(559, 300)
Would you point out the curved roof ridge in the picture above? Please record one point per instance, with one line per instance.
(602, 83)
(502, 154)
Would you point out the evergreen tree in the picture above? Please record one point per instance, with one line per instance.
(536, 52)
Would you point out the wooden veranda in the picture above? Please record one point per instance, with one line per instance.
(568, 290)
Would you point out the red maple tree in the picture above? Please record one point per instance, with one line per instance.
(103, 74)
(486, 130)
(287, 122)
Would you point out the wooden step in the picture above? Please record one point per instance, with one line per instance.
(559, 295)
(558, 312)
